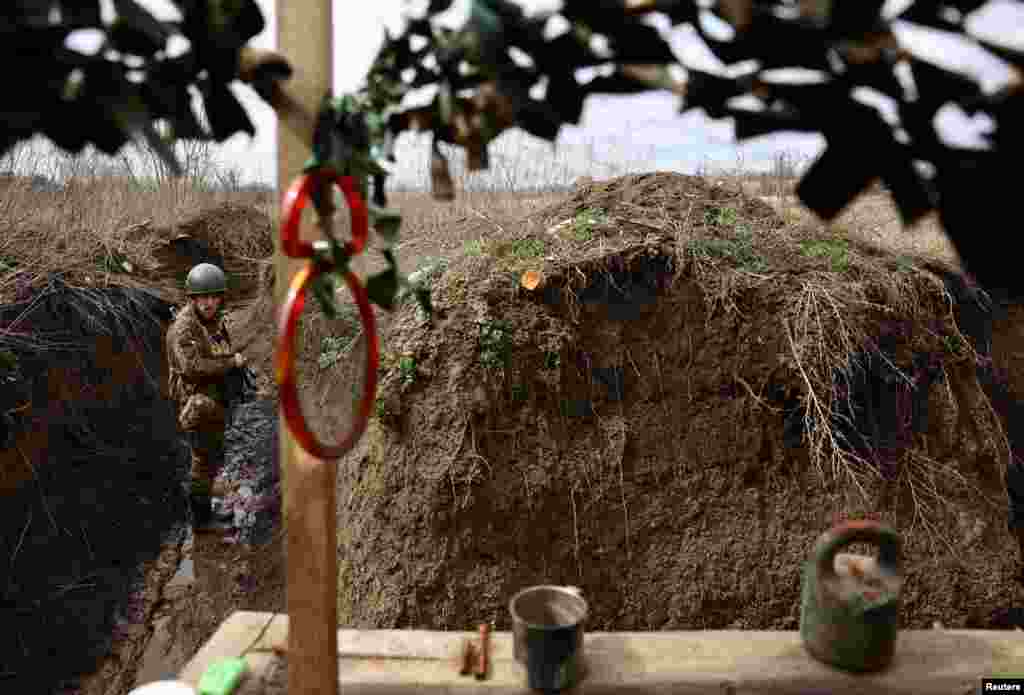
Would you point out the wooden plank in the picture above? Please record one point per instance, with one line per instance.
(395, 662)
(231, 639)
(305, 37)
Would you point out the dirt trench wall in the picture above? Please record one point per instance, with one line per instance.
(1005, 381)
(658, 463)
(234, 237)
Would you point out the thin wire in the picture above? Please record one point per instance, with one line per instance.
(256, 641)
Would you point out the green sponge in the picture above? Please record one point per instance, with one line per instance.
(222, 677)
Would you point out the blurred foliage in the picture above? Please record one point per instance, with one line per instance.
(132, 82)
(467, 71)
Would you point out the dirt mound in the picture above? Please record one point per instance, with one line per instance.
(140, 255)
(234, 237)
(689, 393)
(659, 197)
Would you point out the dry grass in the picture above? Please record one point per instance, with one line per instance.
(874, 220)
(871, 217)
(431, 228)
(92, 228)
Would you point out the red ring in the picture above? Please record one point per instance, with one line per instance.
(288, 322)
(294, 202)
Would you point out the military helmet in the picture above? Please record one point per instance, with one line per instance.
(205, 278)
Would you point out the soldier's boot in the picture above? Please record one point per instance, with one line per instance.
(205, 454)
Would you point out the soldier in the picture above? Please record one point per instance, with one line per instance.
(199, 355)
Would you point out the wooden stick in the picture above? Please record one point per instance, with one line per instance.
(467, 663)
(485, 647)
(304, 36)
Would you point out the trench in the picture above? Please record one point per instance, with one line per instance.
(95, 543)
(251, 474)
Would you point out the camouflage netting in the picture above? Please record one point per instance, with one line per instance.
(689, 394)
(92, 470)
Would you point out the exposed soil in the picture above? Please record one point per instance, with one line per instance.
(234, 237)
(694, 391)
(636, 427)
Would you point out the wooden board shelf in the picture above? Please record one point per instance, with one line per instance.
(394, 662)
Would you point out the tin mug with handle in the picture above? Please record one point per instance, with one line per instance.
(849, 613)
(547, 635)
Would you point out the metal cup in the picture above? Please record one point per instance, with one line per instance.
(547, 635)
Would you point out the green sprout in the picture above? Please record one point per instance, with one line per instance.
(407, 369)
(495, 344)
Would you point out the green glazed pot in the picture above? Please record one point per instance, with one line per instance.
(849, 618)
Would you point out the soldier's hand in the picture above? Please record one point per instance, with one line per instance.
(239, 360)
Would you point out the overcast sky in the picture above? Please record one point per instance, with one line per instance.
(648, 123)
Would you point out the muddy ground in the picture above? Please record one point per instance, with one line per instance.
(645, 440)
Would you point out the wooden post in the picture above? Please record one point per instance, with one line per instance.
(304, 37)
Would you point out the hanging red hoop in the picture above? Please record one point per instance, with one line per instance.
(288, 322)
(297, 197)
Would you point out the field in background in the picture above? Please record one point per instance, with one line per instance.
(87, 225)
(432, 228)
(72, 204)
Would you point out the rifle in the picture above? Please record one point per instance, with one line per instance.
(239, 387)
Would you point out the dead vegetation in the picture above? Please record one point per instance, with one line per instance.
(108, 233)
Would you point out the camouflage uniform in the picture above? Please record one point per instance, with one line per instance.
(199, 356)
